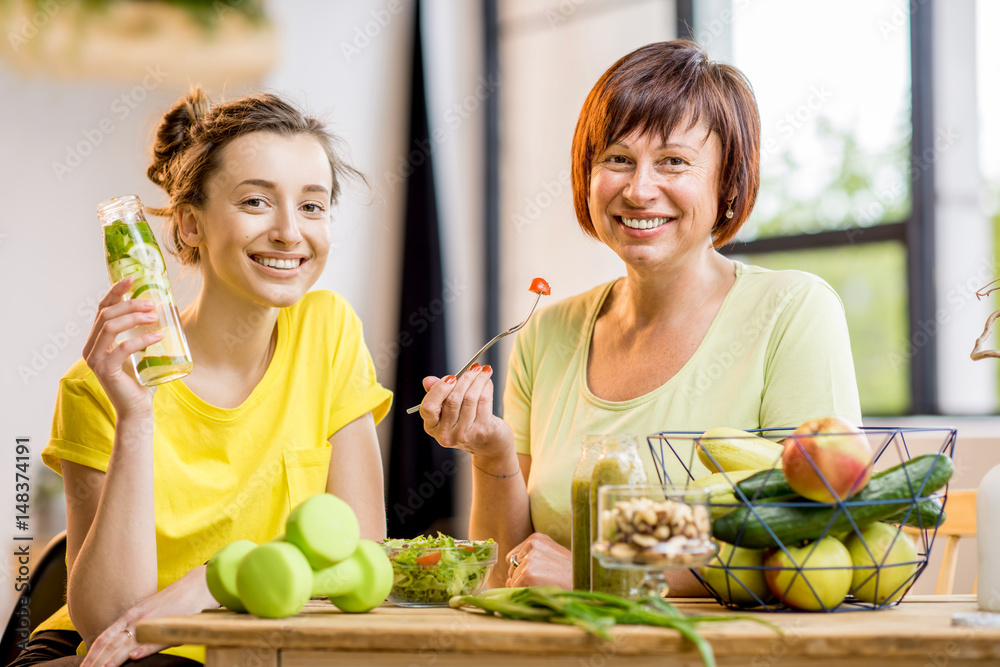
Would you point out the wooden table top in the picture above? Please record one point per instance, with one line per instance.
(914, 632)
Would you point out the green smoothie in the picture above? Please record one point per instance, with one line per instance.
(611, 470)
(581, 541)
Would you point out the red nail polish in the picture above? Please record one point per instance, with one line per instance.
(450, 379)
(487, 368)
(474, 367)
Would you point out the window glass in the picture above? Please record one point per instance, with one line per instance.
(871, 281)
(987, 67)
(833, 86)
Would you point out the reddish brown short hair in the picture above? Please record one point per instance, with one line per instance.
(653, 90)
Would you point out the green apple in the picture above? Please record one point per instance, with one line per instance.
(814, 577)
(885, 559)
(737, 575)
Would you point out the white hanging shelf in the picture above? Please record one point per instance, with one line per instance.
(130, 40)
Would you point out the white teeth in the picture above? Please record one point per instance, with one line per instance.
(278, 263)
(644, 223)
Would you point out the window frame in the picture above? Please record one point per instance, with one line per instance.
(915, 232)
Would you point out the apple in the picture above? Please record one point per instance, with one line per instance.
(889, 559)
(814, 577)
(738, 585)
(830, 449)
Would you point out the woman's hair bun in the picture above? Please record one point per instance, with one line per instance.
(174, 134)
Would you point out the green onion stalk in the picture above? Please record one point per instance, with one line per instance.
(594, 612)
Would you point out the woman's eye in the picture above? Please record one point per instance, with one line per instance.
(253, 202)
(675, 161)
(617, 159)
(313, 208)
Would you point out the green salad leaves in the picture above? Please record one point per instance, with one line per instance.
(430, 570)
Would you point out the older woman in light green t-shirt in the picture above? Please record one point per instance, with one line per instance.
(665, 170)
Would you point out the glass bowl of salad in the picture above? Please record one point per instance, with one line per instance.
(428, 571)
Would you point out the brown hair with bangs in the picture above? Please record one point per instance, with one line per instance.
(653, 90)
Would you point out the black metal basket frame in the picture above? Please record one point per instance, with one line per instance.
(660, 445)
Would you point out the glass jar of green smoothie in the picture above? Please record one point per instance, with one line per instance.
(619, 463)
(580, 502)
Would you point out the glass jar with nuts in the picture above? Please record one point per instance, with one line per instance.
(653, 528)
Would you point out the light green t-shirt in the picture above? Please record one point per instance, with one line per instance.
(778, 354)
(229, 474)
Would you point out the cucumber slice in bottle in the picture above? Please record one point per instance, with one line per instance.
(149, 256)
(150, 288)
(125, 268)
(149, 362)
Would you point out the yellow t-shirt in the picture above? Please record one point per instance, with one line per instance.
(777, 354)
(230, 474)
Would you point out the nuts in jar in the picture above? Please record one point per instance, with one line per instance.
(655, 532)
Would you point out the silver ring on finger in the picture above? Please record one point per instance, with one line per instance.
(514, 562)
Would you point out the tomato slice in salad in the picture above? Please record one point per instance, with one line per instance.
(429, 559)
(539, 286)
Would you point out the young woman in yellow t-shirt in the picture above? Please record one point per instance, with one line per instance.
(282, 401)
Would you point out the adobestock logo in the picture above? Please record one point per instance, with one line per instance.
(121, 107)
(363, 35)
(29, 26)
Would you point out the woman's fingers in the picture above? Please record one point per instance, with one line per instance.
(456, 401)
(146, 650)
(430, 407)
(116, 319)
(116, 358)
(472, 401)
(111, 648)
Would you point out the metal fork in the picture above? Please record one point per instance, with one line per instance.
(538, 295)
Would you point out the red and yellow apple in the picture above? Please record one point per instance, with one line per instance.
(827, 459)
(814, 577)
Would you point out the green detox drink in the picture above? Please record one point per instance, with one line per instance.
(619, 463)
(131, 251)
(580, 502)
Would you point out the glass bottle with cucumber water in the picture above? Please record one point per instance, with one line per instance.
(131, 252)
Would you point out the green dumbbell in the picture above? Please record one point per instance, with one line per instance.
(274, 580)
(221, 573)
(359, 583)
(324, 528)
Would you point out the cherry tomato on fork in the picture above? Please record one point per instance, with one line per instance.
(539, 286)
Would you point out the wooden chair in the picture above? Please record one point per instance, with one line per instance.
(960, 521)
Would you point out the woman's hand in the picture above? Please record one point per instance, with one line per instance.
(117, 644)
(540, 560)
(458, 413)
(107, 358)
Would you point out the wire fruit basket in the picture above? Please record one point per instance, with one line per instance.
(784, 552)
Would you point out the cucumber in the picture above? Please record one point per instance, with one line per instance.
(772, 483)
(887, 495)
(765, 484)
(927, 515)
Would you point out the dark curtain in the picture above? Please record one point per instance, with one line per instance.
(421, 472)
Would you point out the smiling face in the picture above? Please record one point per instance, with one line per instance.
(264, 231)
(655, 202)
